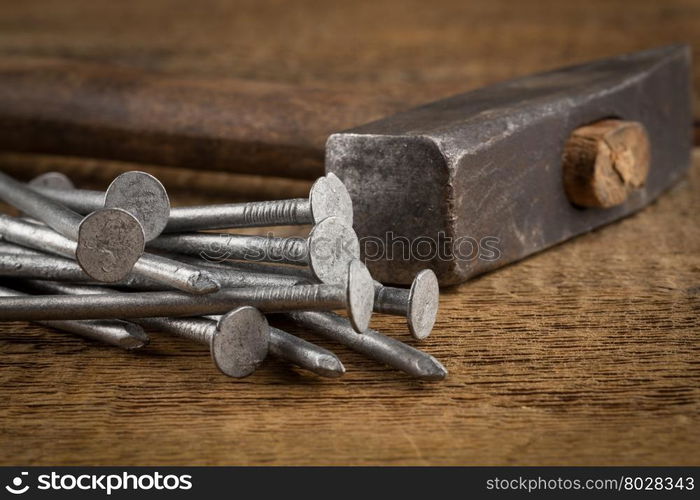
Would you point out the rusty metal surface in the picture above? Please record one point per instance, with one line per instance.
(488, 163)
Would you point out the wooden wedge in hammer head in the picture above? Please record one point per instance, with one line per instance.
(476, 181)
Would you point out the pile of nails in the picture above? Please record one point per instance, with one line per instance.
(104, 265)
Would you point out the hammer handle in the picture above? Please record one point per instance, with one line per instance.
(62, 107)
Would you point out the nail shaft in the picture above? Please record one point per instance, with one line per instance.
(173, 274)
(328, 197)
(48, 267)
(145, 304)
(419, 304)
(8, 248)
(36, 237)
(202, 330)
(112, 332)
(298, 351)
(298, 273)
(35, 265)
(290, 250)
(194, 218)
(329, 248)
(60, 218)
(372, 344)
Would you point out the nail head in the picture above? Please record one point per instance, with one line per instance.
(360, 288)
(330, 198)
(54, 180)
(332, 246)
(143, 196)
(241, 342)
(110, 241)
(423, 302)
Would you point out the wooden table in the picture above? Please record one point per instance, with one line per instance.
(588, 353)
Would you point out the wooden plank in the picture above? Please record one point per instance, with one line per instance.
(416, 51)
(584, 354)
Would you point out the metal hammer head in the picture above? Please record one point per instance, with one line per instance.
(473, 182)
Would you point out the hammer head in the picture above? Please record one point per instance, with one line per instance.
(473, 182)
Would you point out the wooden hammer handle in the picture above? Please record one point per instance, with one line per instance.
(63, 107)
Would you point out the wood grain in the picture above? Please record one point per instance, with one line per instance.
(584, 354)
(412, 50)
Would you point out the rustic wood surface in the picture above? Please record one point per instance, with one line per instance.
(588, 353)
(444, 43)
(404, 51)
(584, 354)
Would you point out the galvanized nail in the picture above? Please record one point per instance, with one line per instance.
(328, 198)
(238, 341)
(372, 344)
(327, 250)
(302, 353)
(178, 275)
(112, 332)
(39, 266)
(139, 193)
(419, 303)
(108, 237)
(357, 297)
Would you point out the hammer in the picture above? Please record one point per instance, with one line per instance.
(462, 185)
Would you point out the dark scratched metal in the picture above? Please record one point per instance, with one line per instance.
(488, 163)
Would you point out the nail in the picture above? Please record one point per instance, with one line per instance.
(282, 345)
(8, 248)
(171, 273)
(357, 297)
(305, 354)
(299, 273)
(109, 237)
(54, 180)
(112, 332)
(372, 344)
(48, 267)
(298, 351)
(246, 274)
(15, 263)
(419, 303)
(238, 341)
(139, 193)
(328, 198)
(327, 250)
